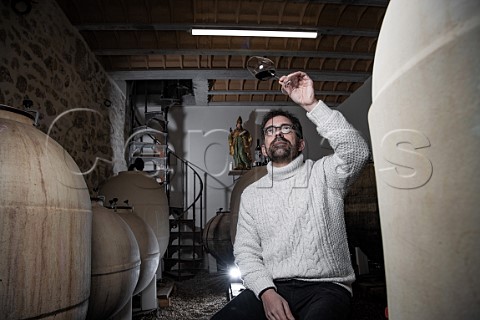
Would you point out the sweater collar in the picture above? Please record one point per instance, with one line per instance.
(277, 174)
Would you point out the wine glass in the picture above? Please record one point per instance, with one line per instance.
(263, 69)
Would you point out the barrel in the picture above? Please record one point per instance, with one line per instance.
(362, 219)
(217, 240)
(147, 197)
(45, 225)
(115, 263)
(424, 124)
(147, 244)
(244, 181)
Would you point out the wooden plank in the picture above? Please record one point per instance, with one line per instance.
(164, 289)
(163, 303)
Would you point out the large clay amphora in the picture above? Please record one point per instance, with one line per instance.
(115, 263)
(147, 197)
(147, 245)
(425, 130)
(45, 225)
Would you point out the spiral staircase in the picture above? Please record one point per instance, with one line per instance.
(148, 150)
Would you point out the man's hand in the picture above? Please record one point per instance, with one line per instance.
(276, 308)
(299, 87)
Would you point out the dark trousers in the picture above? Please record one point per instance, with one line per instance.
(307, 301)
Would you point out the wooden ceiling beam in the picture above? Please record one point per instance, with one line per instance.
(372, 3)
(187, 27)
(168, 74)
(273, 91)
(231, 52)
(284, 103)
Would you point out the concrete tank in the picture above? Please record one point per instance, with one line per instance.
(147, 244)
(115, 263)
(425, 130)
(362, 219)
(146, 196)
(244, 181)
(45, 225)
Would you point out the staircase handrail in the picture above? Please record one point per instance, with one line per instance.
(199, 195)
(188, 164)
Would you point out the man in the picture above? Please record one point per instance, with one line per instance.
(291, 244)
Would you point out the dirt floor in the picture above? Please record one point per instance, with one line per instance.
(200, 297)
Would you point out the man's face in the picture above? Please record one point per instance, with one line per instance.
(280, 147)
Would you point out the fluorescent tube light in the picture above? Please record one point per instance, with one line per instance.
(254, 33)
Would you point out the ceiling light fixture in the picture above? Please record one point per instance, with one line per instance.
(254, 33)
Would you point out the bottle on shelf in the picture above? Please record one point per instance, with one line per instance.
(258, 155)
(266, 159)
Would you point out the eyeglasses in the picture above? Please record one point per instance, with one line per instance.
(284, 129)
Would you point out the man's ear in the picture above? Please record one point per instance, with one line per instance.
(264, 150)
(301, 145)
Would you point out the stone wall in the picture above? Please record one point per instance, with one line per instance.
(45, 59)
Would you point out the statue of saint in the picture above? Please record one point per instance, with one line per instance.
(240, 141)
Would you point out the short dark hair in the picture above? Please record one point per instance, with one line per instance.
(297, 126)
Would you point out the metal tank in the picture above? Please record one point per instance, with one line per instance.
(115, 263)
(219, 232)
(217, 240)
(147, 197)
(45, 225)
(425, 129)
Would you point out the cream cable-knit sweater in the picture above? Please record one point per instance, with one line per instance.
(291, 223)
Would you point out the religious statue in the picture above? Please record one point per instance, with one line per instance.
(240, 141)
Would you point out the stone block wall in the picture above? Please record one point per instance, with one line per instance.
(45, 59)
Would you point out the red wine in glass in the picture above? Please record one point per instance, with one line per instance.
(263, 69)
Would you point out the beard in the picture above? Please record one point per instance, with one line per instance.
(282, 151)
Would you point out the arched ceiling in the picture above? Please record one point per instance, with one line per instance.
(138, 40)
